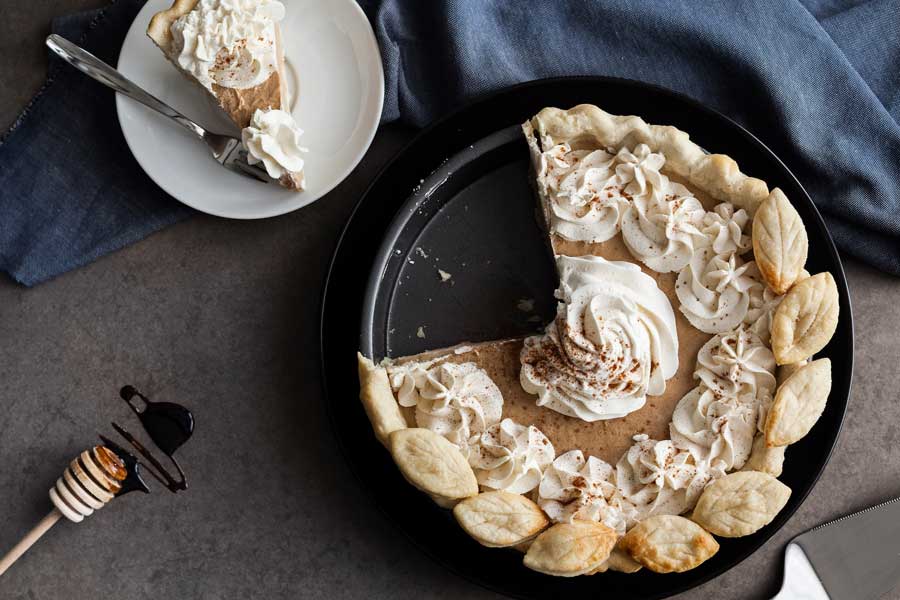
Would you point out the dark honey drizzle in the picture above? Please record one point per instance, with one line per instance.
(169, 426)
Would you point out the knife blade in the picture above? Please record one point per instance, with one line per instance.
(855, 557)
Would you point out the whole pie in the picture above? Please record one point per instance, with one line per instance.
(233, 49)
(652, 414)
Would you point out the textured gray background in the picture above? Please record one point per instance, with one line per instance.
(224, 314)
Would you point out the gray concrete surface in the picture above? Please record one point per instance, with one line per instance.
(223, 315)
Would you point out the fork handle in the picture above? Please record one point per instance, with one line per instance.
(95, 68)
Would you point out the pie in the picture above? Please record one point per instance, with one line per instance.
(234, 51)
(647, 417)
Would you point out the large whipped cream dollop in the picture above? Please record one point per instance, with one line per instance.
(714, 290)
(273, 139)
(575, 488)
(458, 401)
(511, 457)
(612, 343)
(231, 43)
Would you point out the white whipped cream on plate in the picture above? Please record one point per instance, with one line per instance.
(273, 139)
(457, 401)
(231, 43)
(511, 457)
(613, 342)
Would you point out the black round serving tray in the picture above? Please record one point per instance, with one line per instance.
(457, 199)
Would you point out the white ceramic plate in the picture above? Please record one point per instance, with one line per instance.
(331, 47)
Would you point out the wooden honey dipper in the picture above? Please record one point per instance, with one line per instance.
(91, 480)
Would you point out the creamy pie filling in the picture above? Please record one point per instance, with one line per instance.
(614, 342)
(231, 43)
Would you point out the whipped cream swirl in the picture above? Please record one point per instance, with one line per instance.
(717, 429)
(657, 477)
(613, 342)
(726, 230)
(577, 489)
(511, 457)
(231, 43)
(585, 202)
(458, 401)
(763, 303)
(662, 232)
(273, 139)
(714, 290)
(735, 364)
(588, 190)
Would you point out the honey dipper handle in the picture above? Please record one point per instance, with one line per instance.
(28, 541)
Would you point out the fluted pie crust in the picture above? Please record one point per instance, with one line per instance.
(729, 506)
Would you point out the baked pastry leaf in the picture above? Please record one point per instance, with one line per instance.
(806, 319)
(740, 503)
(499, 519)
(669, 544)
(798, 403)
(570, 549)
(378, 399)
(780, 243)
(432, 463)
(764, 458)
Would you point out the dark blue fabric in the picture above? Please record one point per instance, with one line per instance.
(70, 190)
(818, 81)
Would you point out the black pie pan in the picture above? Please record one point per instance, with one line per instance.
(457, 199)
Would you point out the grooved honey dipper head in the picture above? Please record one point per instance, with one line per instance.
(89, 482)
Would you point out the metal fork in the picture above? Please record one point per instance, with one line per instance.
(228, 151)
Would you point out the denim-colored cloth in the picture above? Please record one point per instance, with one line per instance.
(70, 190)
(818, 81)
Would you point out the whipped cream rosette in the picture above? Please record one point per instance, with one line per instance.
(658, 477)
(586, 199)
(763, 304)
(662, 232)
(714, 290)
(612, 343)
(717, 429)
(511, 457)
(736, 363)
(575, 488)
(230, 43)
(457, 401)
(273, 139)
(726, 229)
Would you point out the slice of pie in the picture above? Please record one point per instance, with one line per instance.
(234, 51)
(655, 379)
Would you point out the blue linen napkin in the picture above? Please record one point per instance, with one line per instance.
(70, 190)
(818, 81)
